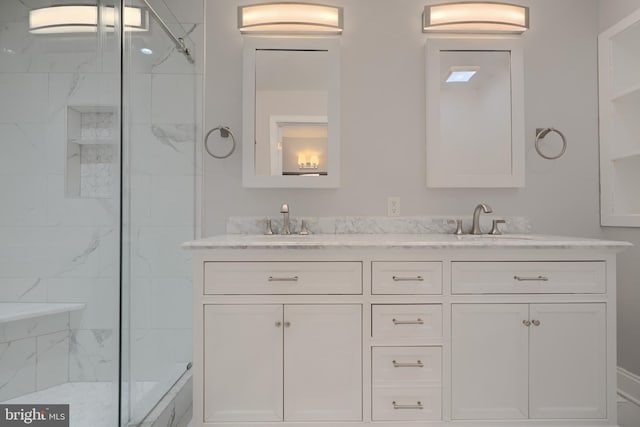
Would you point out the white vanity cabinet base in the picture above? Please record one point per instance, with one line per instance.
(568, 361)
(492, 352)
(323, 385)
(242, 363)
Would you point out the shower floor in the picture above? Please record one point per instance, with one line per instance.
(91, 404)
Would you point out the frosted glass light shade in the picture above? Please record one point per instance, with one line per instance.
(475, 17)
(289, 18)
(66, 19)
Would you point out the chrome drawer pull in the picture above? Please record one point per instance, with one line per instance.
(418, 405)
(418, 321)
(418, 364)
(408, 279)
(531, 279)
(283, 279)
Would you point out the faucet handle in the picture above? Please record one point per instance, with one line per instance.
(458, 223)
(269, 230)
(284, 208)
(494, 229)
(304, 231)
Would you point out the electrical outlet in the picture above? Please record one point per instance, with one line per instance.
(393, 206)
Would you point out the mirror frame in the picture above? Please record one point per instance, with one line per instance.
(249, 177)
(438, 175)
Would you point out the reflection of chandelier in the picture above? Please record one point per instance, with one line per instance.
(68, 19)
(311, 164)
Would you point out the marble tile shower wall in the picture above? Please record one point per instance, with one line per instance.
(54, 248)
(65, 249)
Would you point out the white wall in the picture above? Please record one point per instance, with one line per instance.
(383, 116)
(611, 11)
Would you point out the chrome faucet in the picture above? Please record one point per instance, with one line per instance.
(284, 210)
(476, 217)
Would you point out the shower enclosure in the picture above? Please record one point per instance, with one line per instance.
(99, 118)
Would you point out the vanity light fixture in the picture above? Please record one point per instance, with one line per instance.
(289, 18)
(475, 17)
(73, 19)
(461, 74)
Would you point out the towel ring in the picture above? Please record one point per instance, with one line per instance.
(224, 132)
(541, 133)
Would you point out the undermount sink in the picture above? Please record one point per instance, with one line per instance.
(496, 237)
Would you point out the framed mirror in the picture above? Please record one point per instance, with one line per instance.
(291, 113)
(475, 113)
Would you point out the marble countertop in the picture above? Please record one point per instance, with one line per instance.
(407, 241)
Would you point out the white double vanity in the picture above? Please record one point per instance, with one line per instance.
(404, 329)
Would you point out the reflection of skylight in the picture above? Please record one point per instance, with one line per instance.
(461, 74)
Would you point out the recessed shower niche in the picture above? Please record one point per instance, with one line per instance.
(91, 151)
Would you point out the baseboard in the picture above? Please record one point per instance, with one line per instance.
(629, 385)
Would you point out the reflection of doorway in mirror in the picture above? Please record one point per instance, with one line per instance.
(298, 145)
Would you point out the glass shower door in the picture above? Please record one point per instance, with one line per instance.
(159, 112)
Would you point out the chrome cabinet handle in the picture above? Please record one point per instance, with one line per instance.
(535, 322)
(531, 279)
(418, 405)
(418, 364)
(408, 279)
(526, 323)
(418, 321)
(283, 279)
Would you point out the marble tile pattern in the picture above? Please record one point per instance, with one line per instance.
(408, 233)
(374, 224)
(65, 249)
(34, 353)
(90, 403)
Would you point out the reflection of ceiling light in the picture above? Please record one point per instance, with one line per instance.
(65, 19)
(290, 18)
(461, 74)
(475, 17)
(146, 51)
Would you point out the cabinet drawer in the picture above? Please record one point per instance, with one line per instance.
(273, 278)
(416, 278)
(406, 366)
(407, 321)
(406, 403)
(532, 277)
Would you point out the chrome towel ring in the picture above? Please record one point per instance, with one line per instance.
(224, 132)
(541, 133)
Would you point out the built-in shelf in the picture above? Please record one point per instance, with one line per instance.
(619, 94)
(625, 156)
(92, 138)
(631, 91)
(12, 311)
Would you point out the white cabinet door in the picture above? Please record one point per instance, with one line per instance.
(243, 363)
(568, 361)
(489, 361)
(323, 362)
